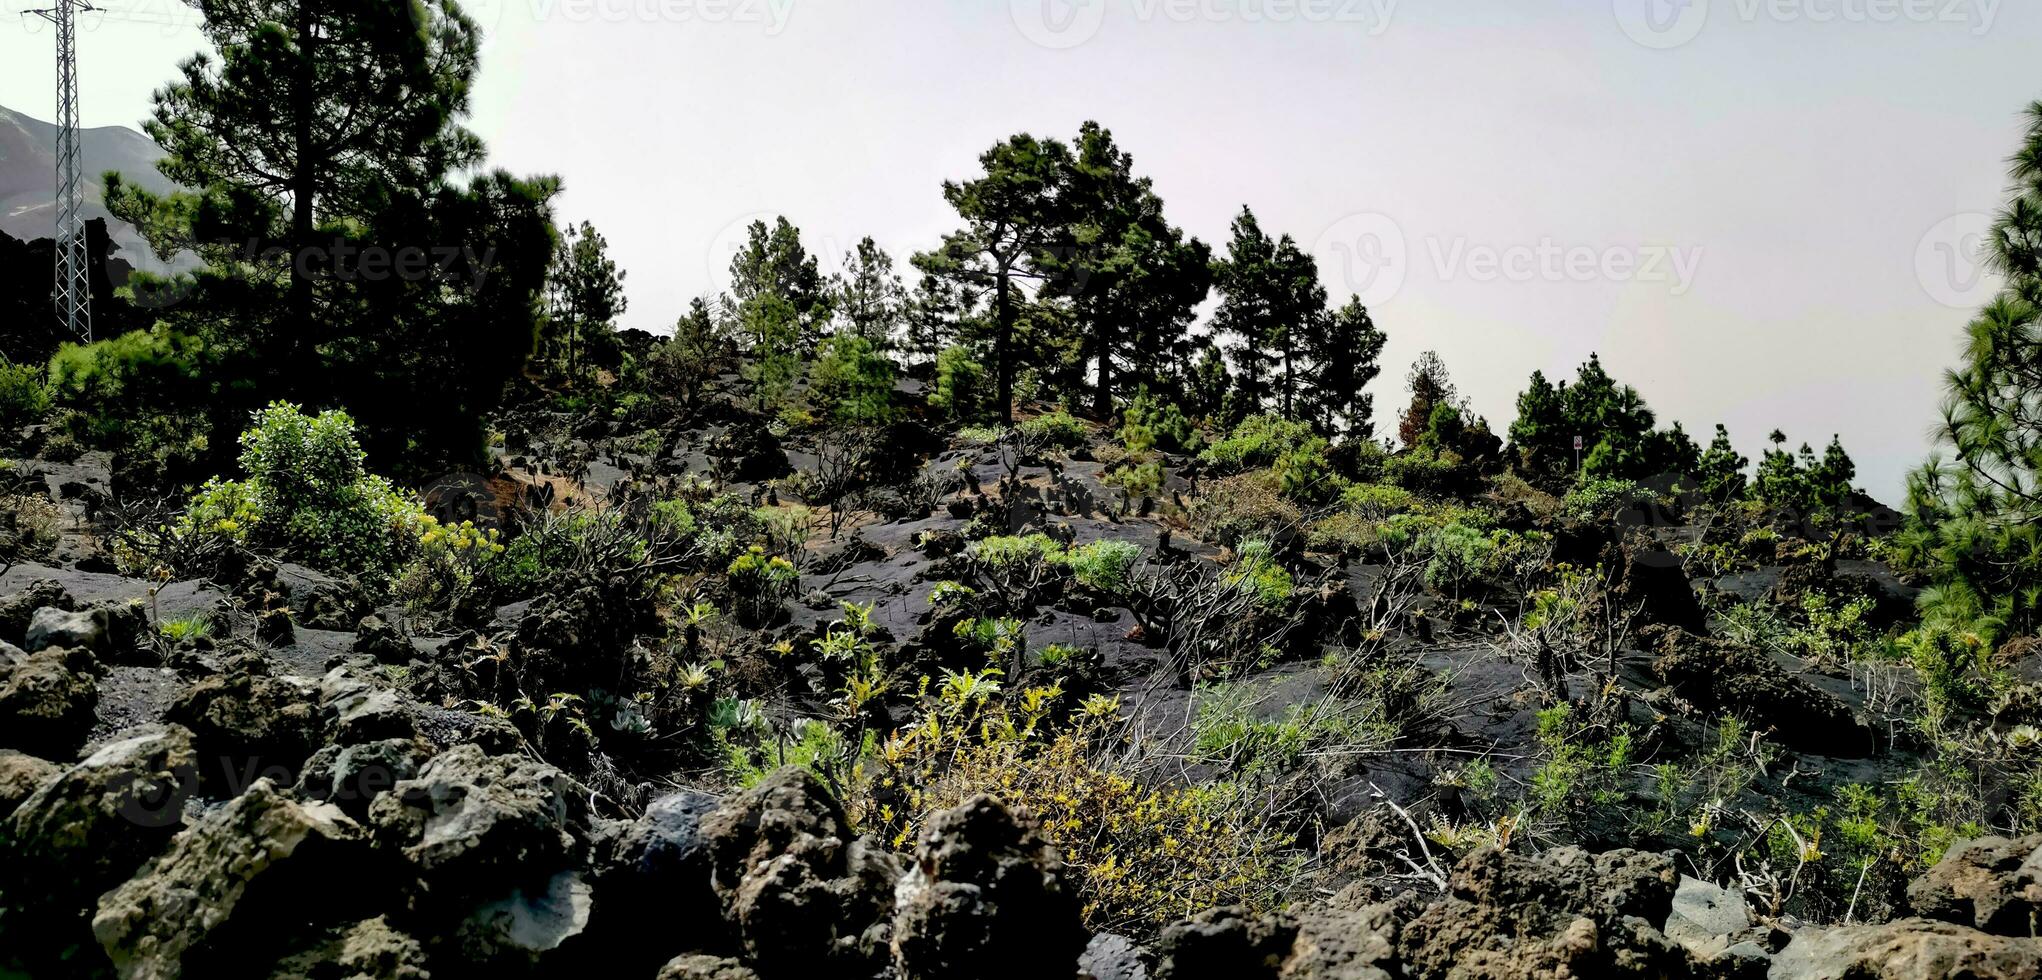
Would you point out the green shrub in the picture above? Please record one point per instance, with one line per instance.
(760, 585)
(1257, 569)
(1006, 551)
(1258, 441)
(1459, 556)
(1149, 423)
(1376, 501)
(1304, 473)
(1603, 497)
(1104, 566)
(1056, 430)
(308, 498)
(852, 383)
(959, 396)
(1137, 479)
(147, 397)
(1427, 470)
(24, 394)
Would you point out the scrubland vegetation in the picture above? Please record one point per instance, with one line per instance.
(1169, 589)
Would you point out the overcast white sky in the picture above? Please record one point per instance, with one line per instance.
(1756, 210)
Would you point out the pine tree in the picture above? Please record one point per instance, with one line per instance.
(1977, 515)
(1012, 215)
(868, 297)
(585, 295)
(354, 253)
(1430, 387)
(1540, 435)
(773, 263)
(1721, 469)
(936, 314)
(1270, 295)
(1132, 279)
(1346, 350)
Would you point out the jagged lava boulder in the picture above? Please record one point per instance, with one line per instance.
(237, 881)
(804, 897)
(986, 899)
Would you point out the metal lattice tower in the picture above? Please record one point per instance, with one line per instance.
(73, 293)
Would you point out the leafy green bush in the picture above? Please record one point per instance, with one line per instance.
(1137, 479)
(1258, 441)
(852, 383)
(1427, 470)
(1005, 551)
(1104, 566)
(24, 394)
(960, 393)
(1149, 423)
(760, 585)
(146, 396)
(1376, 501)
(1603, 497)
(308, 498)
(1057, 430)
(1305, 474)
(1460, 555)
(1257, 569)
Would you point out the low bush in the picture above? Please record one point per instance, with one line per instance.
(1104, 566)
(1258, 570)
(24, 394)
(1151, 424)
(308, 498)
(1427, 470)
(1236, 508)
(1603, 497)
(761, 585)
(1143, 853)
(1459, 556)
(1055, 430)
(1260, 440)
(148, 397)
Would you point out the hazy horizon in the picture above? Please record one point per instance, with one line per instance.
(1757, 211)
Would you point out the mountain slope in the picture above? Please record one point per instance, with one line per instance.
(28, 179)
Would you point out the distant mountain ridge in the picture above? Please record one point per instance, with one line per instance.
(28, 179)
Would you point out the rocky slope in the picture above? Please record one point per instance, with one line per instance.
(265, 816)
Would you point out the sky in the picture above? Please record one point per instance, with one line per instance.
(1763, 213)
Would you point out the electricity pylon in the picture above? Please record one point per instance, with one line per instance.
(73, 293)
